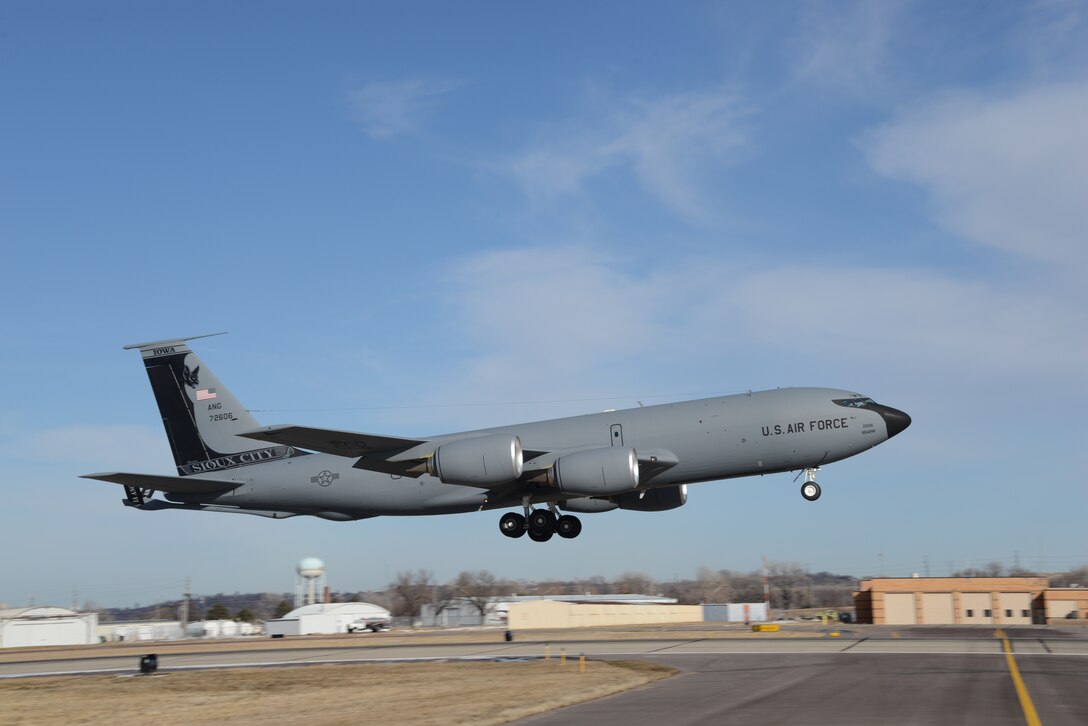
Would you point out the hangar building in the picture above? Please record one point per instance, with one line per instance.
(951, 600)
(325, 618)
(1065, 603)
(21, 627)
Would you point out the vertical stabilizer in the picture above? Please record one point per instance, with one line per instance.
(201, 416)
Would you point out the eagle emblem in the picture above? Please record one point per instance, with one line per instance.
(191, 377)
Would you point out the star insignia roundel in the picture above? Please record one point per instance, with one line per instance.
(324, 478)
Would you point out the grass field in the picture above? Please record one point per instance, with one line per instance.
(399, 637)
(401, 693)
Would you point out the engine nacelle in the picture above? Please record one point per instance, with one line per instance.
(482, 461)
(654, 500)
(596, 472)
(588, 505)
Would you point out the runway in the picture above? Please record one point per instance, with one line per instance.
(903, 676)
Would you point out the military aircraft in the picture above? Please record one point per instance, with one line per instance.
(638, 459)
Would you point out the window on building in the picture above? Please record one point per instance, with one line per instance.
(989, 613)
(970, 613)
(1008, 613)
(1024, 613)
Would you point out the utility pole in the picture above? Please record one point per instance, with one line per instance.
(184, 616)
(766, 589)
(926, 561)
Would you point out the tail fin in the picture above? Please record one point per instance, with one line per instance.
(201, 416)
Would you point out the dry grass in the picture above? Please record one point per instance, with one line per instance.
(401, 693)
(8, 655)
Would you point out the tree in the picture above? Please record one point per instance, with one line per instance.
(442, 598)
(633, 583)
(479, 588)
(245, 615)
(218, 612)
(789, 583)
(282, 609)
(410, 591)
(712, 586)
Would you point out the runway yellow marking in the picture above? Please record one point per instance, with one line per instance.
(1031, 716)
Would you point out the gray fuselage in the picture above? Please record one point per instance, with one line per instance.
(716, 438)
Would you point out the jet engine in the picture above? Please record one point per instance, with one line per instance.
(654, 500)
(596, 472)
(481, 461)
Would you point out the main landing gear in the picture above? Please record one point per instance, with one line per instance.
(541, 524)
(810, 490)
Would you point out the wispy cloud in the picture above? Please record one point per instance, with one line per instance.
(135, 448)
(1009, 173)
(845, 45)
(386, 109)
(576, 320)
(1052, 34)
(668, 144)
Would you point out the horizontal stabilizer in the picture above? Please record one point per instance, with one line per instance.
(169, 484)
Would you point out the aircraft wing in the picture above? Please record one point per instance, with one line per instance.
(403, 457)
(373, 451)
(331, 441)
(169, 484)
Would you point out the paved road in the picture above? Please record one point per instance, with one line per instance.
(844, 688)
(948, 677)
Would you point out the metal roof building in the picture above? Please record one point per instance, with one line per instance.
(21, 627)
(324, 618)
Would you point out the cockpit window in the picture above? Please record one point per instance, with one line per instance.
(854, 402)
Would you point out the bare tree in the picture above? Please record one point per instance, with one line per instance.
(410, 591)
(746, 586)
(633, 583)
(712, 586)
(789, 585)
(442, 597)
(1074, 578)
(479, 588)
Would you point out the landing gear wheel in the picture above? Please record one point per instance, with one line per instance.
(536, 536)
(512, 524)
(541, 521)
(568, 526)
(810, 490)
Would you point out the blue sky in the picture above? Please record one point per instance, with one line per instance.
(421, 218)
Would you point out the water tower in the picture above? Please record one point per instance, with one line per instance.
(310, 581)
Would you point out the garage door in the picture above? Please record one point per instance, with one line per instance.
(975, 608)
(937, 608)
(899, 608)
(1060, 608)
(1015, 608)
(46, 632)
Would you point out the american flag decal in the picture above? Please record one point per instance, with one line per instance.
(206, 394)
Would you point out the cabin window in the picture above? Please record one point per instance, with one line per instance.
(853, 402)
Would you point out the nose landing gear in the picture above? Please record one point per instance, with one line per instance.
(810, 490)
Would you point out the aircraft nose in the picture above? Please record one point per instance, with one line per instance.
(894, 419)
